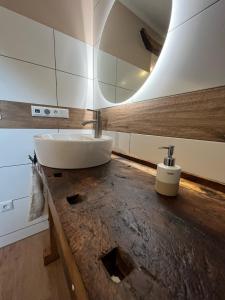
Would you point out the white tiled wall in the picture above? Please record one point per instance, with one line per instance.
(16, 144)
(117, 79)
(121, 141)
(196, 62)
(184, 10)
(26, 82)
(122, 94)
(34, 68)
(129, 76)
(74, 91)
(29, 54)
(108, 91)
(73, 56)
(25, 39)
(15, 184)
(106, 67)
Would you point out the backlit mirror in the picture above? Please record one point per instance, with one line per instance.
(130, 45)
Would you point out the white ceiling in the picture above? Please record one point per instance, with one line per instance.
(156, 13)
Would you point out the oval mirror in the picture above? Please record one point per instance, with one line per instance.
(130, 46)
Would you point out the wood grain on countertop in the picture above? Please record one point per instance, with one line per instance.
(177, 245)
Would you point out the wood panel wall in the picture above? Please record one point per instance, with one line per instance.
(197, 115)
(18, 115)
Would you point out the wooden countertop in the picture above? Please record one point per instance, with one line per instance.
(176, 245)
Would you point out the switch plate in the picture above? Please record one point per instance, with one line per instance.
(49, 112)
(6, 206)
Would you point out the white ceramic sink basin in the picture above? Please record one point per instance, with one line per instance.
(72, 151)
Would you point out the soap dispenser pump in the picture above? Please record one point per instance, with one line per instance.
(168, 175)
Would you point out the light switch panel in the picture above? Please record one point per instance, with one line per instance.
(6, 206)
(49, 112)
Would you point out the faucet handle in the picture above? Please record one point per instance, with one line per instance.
(94, 110)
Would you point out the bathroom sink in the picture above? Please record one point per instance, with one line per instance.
(72, 151)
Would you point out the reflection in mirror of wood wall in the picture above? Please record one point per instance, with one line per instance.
(195, 115)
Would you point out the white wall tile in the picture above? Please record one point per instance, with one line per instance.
(108, 91)
(18, 217)
(23, 233)
(130, 76)
(123, 94)
(196, 62)
(106, 67)
(26, 39)
(201, 158)
(15, 182)
(183, 10)
(73, 56)
(99, 99)
(74, 91)
(25, 82)
(17, 144)
(121, 141)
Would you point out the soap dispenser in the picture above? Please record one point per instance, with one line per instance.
(168, 175)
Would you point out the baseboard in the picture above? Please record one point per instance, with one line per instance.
(23, 233)
(203, 181)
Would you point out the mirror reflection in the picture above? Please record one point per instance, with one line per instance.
(130, 45)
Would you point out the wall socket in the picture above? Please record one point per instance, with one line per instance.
(6, 206)
(49, 112)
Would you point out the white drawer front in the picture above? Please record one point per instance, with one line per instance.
(15, 182)
(17, 218)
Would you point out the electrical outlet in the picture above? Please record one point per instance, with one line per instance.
(49, 112)
(6, 206)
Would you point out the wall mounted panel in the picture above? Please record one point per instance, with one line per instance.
(25, 39)
(184, 10)
(73, 56)
(74, 91)
(25, 82)
(18, 115)
(198, 115)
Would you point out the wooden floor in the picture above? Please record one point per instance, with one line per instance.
(23, 275)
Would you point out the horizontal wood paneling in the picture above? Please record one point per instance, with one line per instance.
(18, 115)
(197, 115)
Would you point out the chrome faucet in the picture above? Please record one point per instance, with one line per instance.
(97, 123)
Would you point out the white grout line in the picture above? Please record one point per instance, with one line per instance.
(56, 81)
(11, 166)
(195, 15)
(39, 65)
